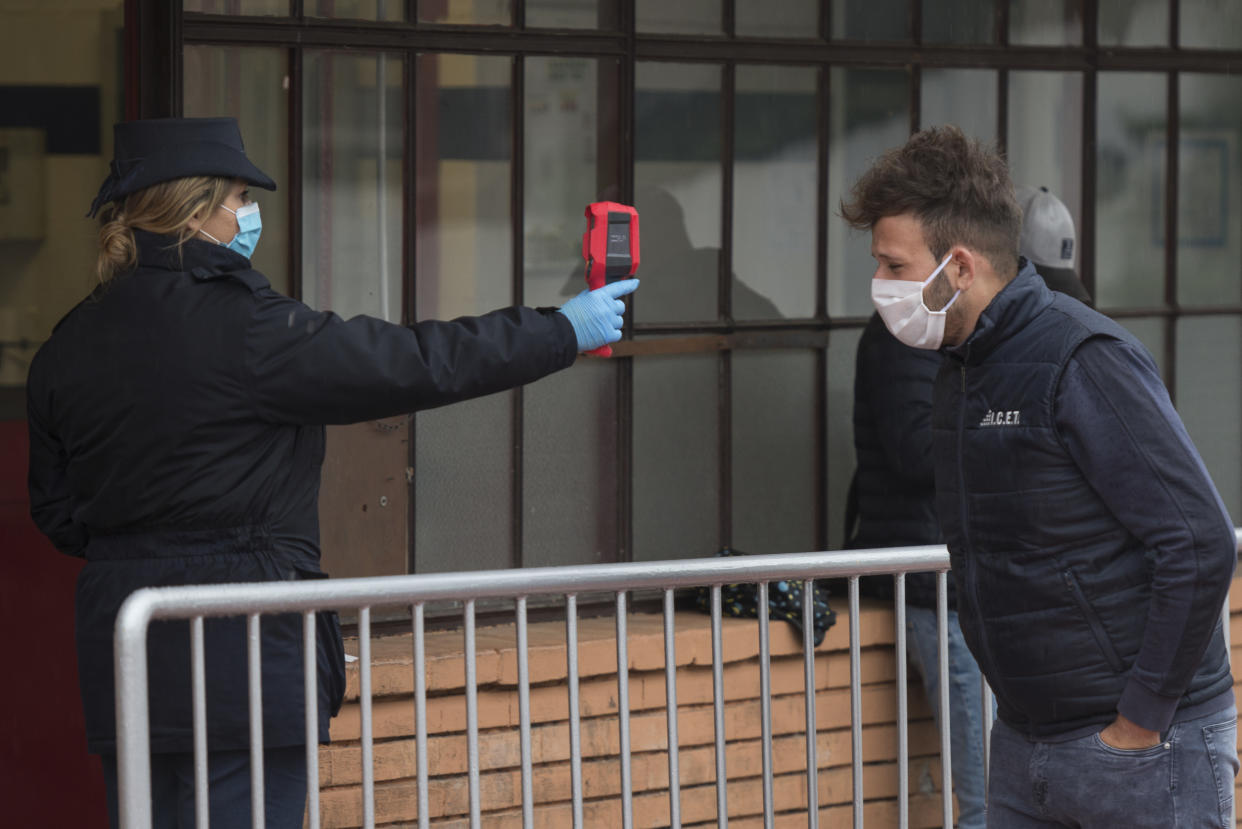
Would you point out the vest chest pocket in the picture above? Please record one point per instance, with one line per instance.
(1093, 622)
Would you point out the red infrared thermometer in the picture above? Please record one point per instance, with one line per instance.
(610, 247)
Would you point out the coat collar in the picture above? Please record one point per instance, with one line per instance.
(1018, 303)
(203, 259)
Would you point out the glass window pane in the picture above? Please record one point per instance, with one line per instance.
(353, 123)
(775, 141)
(251, 85)
(1045, 22)
(774, 451)
(1210, 401)
(1209, 187)
(565, 14)
(962, 21)
(1129, 243)
(1210, 24)
(676, 464)
(1151, 333)
(777, 18)
(272, 8)
(477, 12)
(840, 427)
(870, 20)
(677, 190)
(463, 246)
(357, 9)
(463, 485)
(683, 17)
(965, 97)
(1045, 152)
(569, 467)
(1127, 23)
(570, 161)
(870, 113)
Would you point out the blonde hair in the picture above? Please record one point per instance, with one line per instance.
(165, 208)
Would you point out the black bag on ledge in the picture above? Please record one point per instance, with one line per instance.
(784, 601)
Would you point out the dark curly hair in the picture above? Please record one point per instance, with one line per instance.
(958, 189)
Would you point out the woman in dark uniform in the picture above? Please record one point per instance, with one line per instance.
(176, 435)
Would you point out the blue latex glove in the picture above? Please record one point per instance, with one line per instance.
(596, 315)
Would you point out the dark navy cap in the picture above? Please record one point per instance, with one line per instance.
(162, 149)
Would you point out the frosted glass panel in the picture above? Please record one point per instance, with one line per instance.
(352, 220)
(676, 465)
(1210, 24)
(463, 486)
(1045, 23)
(1127, 23)
(1209, 398)
(870, 114)
(677, 190)
(774, 451)
(1129, 245)
(1151, 333)
(569, 466)
(961, 21)
(681, 17)
(777, 18)
(840, 428)
(1209, 188)
(275, 8)
(965, 97)
(564, 14)
(774, 178)
(476, 12)
(464, 245)
(389, 10)
(870, 20)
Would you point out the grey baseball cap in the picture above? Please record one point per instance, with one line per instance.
(1047, 228)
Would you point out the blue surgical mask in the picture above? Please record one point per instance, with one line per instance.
(249, 226)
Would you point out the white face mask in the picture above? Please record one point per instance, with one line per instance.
(901, 306)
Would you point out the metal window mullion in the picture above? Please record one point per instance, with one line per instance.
(295, 171)
(517, 227)
(364, 701)
(523, 668)
(198, 684)
(1171, 184)
(718, 703)
(623, 713)
(310, 688)
(254, 664)
(670, 699)
(765, 703)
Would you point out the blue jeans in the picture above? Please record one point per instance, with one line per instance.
(228, 786)
(965, 707)
(1185, 781)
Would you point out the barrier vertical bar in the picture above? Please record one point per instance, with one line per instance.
(942, 642)
(670, 698)
(310, 672)
(472, 718)
(623, 713)
(364, 703)
(765, 703)
(812, 731)
(903, 709)
(856, 704)
(722, 774)
(133, 729)
(255, 670)
(523, 667)
(575, 734)
(198, 683)
(420, 716)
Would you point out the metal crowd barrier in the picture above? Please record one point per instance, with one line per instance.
(252, 600)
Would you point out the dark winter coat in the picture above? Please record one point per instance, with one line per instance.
(1090, 549)
(176, 436)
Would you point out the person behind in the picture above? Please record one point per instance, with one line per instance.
(176, 423)
(1047, 240)
(1090, 550)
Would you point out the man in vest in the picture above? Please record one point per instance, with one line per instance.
(1091, 552)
